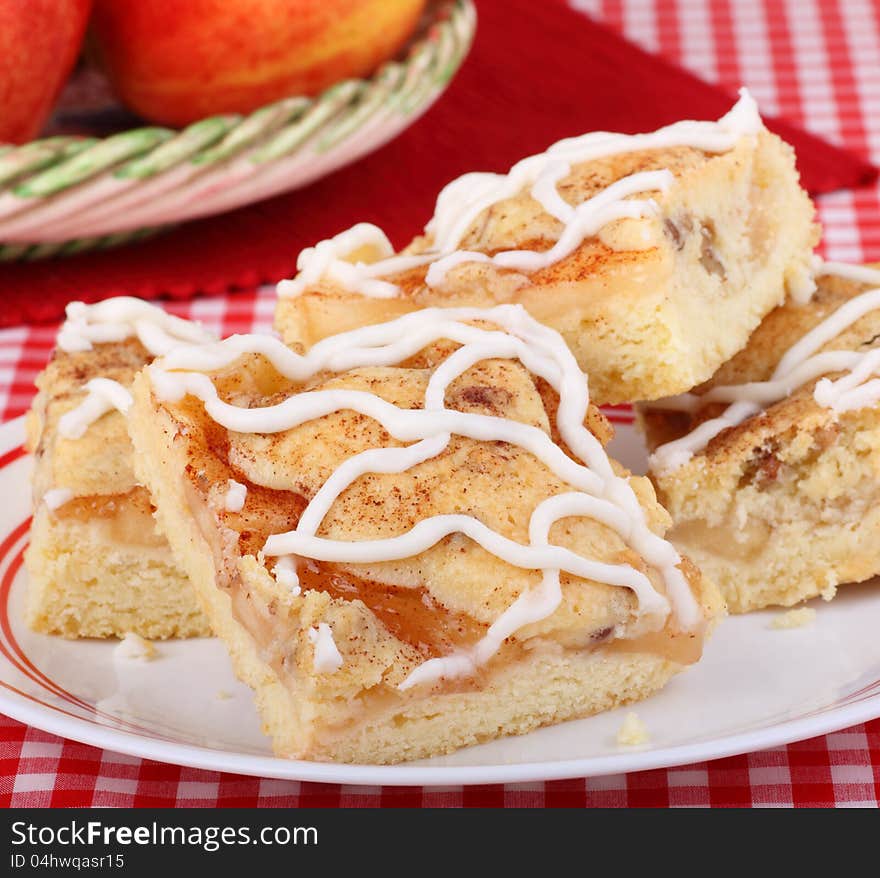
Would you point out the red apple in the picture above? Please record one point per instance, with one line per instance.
(175, 62)
(39, 44)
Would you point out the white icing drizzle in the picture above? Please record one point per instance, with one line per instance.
(125, 317)
(103, 395)
(531, 606)
(134, 647)
(55, 498)
(437, 271)
(115, 320)
(585, 220)
(326, 259)
(235, 496)
(327, 658)
(600, 493)
(801, 286)
(856, 390)
(802, 363)
(464, 199)
(285, 574)
(860, 274)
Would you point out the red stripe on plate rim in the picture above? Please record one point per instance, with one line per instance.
(18, 658)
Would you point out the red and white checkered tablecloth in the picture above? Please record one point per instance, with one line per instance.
(816, 62)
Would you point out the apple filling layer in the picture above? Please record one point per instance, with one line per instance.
(123, 519)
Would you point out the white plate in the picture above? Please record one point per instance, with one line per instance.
(755, 688)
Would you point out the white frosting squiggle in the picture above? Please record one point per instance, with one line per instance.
(534, 604)
(285, 574)
(429, 532)
(125, 317)
(601, 493)
(55, 498)
(860, 274)
(103, 395)
(235, 496)
(115, 320)
(327, 658)
(586, 220)
(464, 199)
(799, 365)
(326, 259)
(856, 390)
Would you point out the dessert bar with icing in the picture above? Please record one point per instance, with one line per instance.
(433, 546)
(770, 470)
(97, 566)
(655, 255)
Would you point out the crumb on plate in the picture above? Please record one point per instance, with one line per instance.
(133, 646)
(794, 619)
(633, 731)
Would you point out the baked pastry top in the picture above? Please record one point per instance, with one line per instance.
(653, 255)
(770, 469)
(427, 506)
(75, 427)
(99, 461)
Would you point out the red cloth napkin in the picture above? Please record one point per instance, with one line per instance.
(537, 73)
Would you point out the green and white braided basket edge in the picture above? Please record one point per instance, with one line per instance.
(66, 195)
